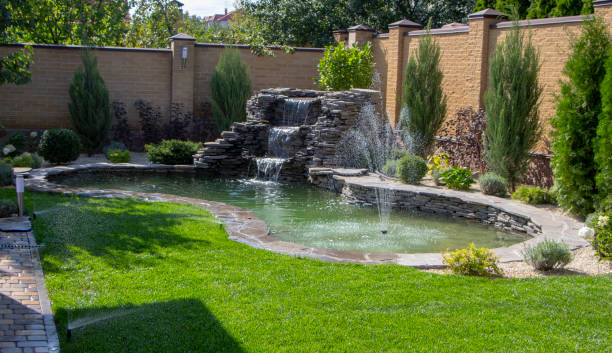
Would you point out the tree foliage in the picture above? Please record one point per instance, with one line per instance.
(343, 68)
(14, 68)
(230, 87)
(511, 102)
(423, 102)
(577, 118)
(153, 22)
(311, 23)
(603, 143)
(532, 9)
(90, 110)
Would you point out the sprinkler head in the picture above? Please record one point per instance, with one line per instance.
(384, 231)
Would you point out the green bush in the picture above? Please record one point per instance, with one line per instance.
(603, 144)
(6, 175)
(7, 208)
(60, 146)
(172, 152)
(423, 101)
(602, 241)
(90, 109)
(27, 160)
(411, 169)
(114, 145)
(511, 102)
(533, 195)
(548, 255)
(473, 262)
(457, 178)
(493, 184)
(390, 167)
(575, 124)
(119, 156)
(18, 140)
(230, 87)
(342, 68)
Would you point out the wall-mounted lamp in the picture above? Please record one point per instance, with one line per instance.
(184, 57)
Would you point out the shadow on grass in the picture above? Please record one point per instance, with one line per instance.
(120, 232)
(182, 325)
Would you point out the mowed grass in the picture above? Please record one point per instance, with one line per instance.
(171, 281)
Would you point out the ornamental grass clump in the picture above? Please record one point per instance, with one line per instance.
(493, 184)
(411, 169)
(473, 262)
(548, 255)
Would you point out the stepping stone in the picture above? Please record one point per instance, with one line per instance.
(15, 224)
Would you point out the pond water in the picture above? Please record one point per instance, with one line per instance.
(303, 214)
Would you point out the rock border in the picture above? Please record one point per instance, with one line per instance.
(244, 227)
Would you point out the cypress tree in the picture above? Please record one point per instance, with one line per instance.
(575, 124)
(603, 145)
(90, 110)
(230, 87)
(423, 102)
(512, 102)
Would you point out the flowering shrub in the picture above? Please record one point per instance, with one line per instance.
(473, 262)
(602, 241)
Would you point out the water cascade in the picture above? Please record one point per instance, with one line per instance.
(280, 138)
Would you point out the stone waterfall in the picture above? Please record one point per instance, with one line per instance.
(280, 139)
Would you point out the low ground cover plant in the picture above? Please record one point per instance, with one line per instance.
(548, 255)
(7, 208)
(534, 195)
(411, 169)
(59, 146)
(473, 261)
(27, 160)
(493, 184)
(6, 175)
(119, 156)
(114, 145)
(602, 241)
(456, 178)
(172, 152)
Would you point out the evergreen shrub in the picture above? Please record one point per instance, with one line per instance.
(59, 146)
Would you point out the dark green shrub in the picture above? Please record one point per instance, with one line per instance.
(18, 140)
(411, 169)
(343, 68)
(172, 152)
(533, 195)
(390, 167)
(511, 102)
(493, 184)
(473, 262)
(90, 109)
(230, 88)
(7, 208)
(602, 241)
(423, 102)
(119, 156)
(6, 175)
(548, 255)
(60, 146)
(114, 145)
(457, 178)
(603, 144)
(575, 124)
(27, 160)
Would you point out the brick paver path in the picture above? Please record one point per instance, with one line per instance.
(26, 320)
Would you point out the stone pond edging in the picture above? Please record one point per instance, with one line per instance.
(244, 227)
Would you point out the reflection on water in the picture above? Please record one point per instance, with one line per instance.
(306, 215)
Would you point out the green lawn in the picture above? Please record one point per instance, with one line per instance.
(182, 286)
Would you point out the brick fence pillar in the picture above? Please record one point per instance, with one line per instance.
(358, 35)
(395, 68)
(603, 8)
(477, 74)
(183, 60)
(341, 35)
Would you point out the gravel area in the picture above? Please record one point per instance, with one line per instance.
(585, 263)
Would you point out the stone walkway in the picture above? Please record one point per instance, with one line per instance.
(26, 320)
